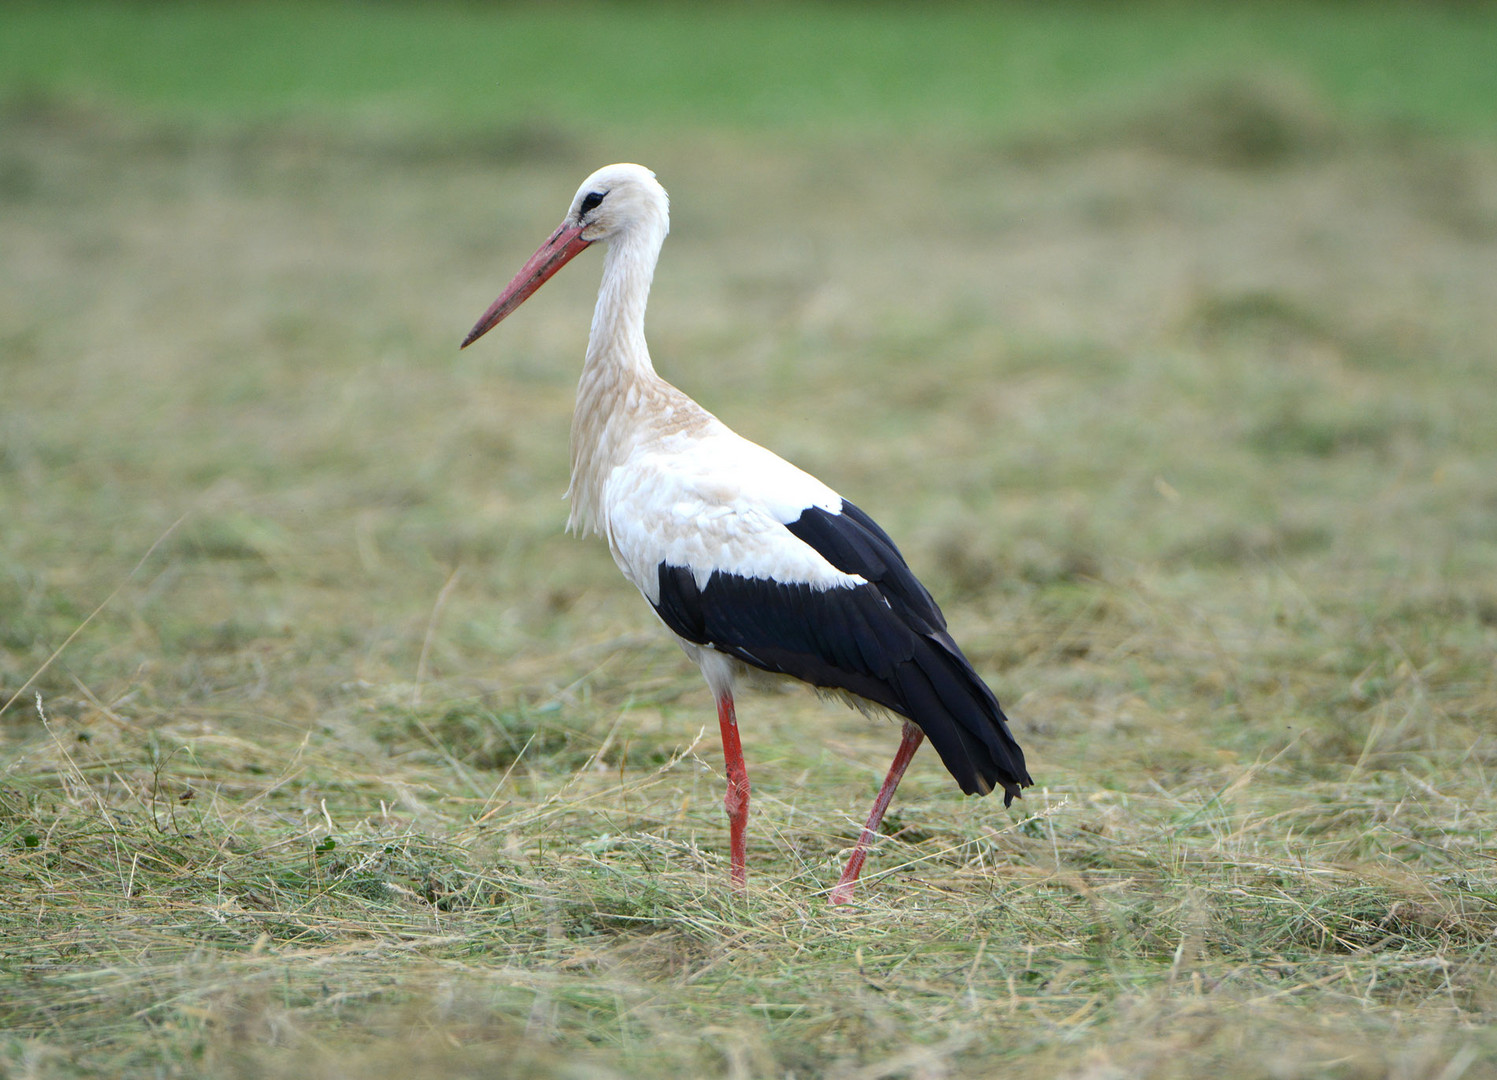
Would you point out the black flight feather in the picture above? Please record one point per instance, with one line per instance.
(885, 641)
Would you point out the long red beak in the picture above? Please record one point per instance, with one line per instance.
(550, 257)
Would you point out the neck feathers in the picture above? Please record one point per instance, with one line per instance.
(618, 330)
(619, 391)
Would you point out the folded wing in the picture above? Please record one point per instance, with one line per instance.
(871, 629)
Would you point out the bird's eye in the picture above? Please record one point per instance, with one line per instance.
(590, 201)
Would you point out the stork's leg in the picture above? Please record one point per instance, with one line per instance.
(737, 800)
(908, 744)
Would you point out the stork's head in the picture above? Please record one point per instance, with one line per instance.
(616, 204)
(618, 199)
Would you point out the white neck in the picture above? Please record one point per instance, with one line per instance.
(618, 330)
(617, 376)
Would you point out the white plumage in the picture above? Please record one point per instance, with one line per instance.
(747, 559)
(714, 502)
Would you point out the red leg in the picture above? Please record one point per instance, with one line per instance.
(737, 800)
(908, 744)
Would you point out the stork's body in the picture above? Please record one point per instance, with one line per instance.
(750, 561)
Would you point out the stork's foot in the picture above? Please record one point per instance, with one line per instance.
(737, 800)
(909, 742)
(736, 804)
(842, 891)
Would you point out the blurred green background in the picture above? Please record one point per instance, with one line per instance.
(823, 67)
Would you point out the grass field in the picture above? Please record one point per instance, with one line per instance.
(1161, 337)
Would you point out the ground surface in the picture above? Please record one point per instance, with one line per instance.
(356, 766)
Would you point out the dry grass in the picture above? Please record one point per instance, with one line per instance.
(366, 770)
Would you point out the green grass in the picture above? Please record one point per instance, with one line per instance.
(819, 66)
(336, 758)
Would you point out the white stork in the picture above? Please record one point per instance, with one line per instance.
(749, 561)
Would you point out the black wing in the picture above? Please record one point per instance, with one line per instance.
(885, 641)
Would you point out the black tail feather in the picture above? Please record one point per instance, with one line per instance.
(884, 641)
(959, 714)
